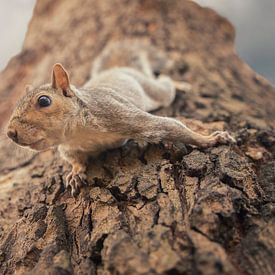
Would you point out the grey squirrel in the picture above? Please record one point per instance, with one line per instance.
(112, 107)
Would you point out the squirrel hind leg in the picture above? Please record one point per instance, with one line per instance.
(159, 92)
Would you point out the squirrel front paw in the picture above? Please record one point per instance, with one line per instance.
(218, 137)
(75, 181)
(222, 137)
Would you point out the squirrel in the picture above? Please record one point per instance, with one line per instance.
(112, 107)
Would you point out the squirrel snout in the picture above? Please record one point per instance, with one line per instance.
(12, 134)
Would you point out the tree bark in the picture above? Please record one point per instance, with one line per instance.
(147, 209)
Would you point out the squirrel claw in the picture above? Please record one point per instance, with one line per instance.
(223, 137)
(75, 181)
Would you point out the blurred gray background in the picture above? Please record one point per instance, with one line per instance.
(254, 21)
(14, 18)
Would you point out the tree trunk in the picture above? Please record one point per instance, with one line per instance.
(147, 210)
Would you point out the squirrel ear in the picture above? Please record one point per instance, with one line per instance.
(60, 79)
(28, 88)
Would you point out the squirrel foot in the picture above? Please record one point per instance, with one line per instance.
(75, 180)
(221, 137)
(182, 86)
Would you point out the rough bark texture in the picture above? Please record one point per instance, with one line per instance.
(147, 210)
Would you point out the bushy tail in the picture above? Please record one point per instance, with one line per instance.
(134, 53)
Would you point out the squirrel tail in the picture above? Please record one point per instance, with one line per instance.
(138, 54)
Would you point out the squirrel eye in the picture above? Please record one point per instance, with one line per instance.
(44, 101)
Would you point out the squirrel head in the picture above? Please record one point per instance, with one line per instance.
(41, 116)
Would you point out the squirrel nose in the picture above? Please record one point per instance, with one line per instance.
(12, 134)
